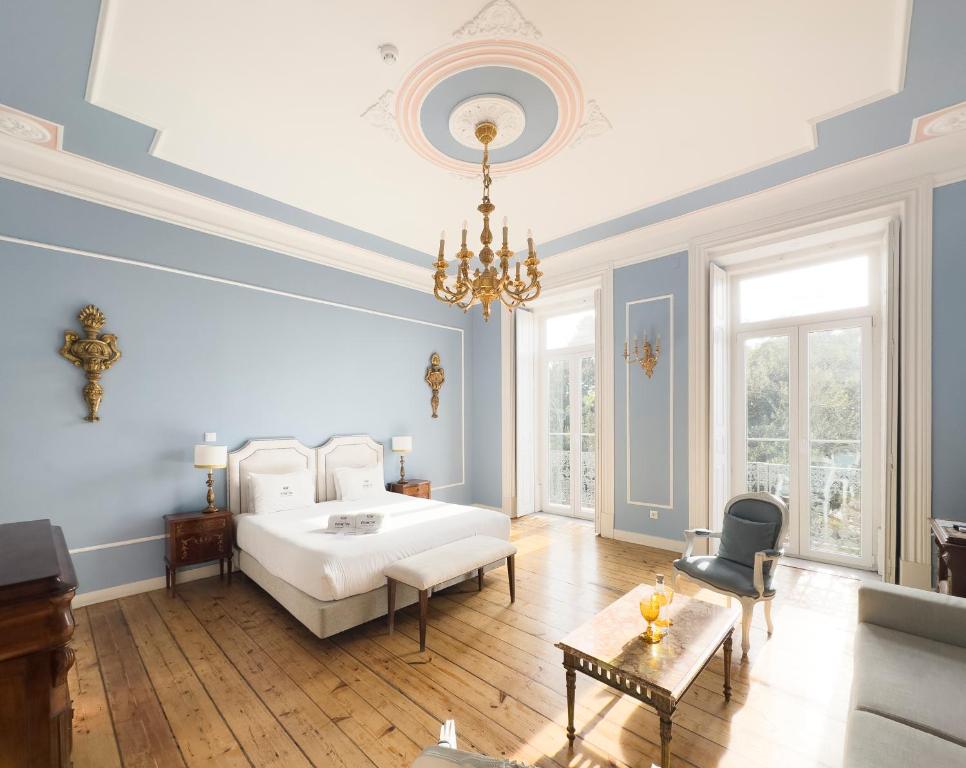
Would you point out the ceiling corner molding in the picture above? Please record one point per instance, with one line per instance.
(85, 179)
(498, 18)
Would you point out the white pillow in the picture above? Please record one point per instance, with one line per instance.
(359, 483)
(277, 493)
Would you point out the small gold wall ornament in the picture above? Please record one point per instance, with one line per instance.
(644, 355)
(435, 376)
(94, 353)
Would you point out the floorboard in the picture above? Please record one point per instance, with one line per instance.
(222, 675)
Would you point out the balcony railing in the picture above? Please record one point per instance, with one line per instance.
(559, 477)
(835, 502)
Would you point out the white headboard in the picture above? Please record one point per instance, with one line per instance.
(273, 456)
(344, 451)
(281, 455)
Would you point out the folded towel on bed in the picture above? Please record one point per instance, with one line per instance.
(355, 522)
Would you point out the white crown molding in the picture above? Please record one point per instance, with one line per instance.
(940, 159)
(86, 179)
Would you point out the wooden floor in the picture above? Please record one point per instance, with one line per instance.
(224, 676)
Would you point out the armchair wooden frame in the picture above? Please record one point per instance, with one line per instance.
(764, 556)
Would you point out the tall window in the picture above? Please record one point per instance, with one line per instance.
(805, 413)
(569, 444)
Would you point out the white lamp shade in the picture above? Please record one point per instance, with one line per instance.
(402, 444)
(211, 456)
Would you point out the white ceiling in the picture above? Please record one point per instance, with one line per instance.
(268, 96)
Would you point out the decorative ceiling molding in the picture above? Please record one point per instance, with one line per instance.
(379, 115)
(595, 123)
(30, 128)
(939, 123)
(931, 161)
(536, 60)
(498, 18)
(80, 177)
(507, 114)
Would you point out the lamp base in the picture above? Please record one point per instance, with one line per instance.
(402, 468)
(211, 493)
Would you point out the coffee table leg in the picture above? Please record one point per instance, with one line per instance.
(571, 694)
(665, 740)
(727, 667)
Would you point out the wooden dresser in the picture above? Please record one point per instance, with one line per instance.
(37, 584)
(952, 558)
(420, 488)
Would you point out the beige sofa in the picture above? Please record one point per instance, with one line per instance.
(908, 703)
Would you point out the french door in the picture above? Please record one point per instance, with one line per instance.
(805, 431)
(569, 433)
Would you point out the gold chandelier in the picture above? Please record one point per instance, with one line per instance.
(489, 284)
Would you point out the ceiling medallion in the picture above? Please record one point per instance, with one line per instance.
(488, 284)
(536, 60)
(500, 110)
(499, 18)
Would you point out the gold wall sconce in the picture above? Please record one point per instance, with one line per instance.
(94, 352)
(435, 376)
(644, 355)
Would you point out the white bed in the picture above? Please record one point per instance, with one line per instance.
(331, 582)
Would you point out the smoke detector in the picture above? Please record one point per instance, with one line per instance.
(389, 53)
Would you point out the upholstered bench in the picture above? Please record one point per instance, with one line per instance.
(437, 566)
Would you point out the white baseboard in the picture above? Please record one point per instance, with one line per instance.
(137, 587)
(672, 545)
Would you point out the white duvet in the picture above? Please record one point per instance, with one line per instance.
(294, 546)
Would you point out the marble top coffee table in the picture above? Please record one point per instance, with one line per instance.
(609, 648)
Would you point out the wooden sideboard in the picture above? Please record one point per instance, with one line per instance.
(37, 584)
(952, 558)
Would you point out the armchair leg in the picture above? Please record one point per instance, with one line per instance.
(747, 609)
(771, 627)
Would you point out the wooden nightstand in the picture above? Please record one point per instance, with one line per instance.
(420, 488)
(197, 537)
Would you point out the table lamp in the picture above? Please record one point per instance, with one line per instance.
(402, 446)
(211, 457)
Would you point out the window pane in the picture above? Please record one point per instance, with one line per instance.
(573, 330)
(805, 291)
(835, 440)
(558, 429)
(767, 415)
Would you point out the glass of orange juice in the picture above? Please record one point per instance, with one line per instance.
(650, 610)
(665, 595)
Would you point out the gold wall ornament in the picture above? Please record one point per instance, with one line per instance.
(644, 355)
(94, 353)
(489, 284)
(435, 376)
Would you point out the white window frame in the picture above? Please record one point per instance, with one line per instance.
(797, 328)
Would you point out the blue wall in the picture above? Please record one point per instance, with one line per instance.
(949, 352)
(202, 355)
(485, 428)
(652, 408)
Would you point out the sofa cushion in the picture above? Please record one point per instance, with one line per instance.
(911, 680)
(878, 742)
(724, 574)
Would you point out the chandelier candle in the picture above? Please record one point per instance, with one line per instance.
(489, 283)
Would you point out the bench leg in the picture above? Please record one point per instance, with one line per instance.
(423, 612)
(391, 583)
(479, 579)
(510, 563)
